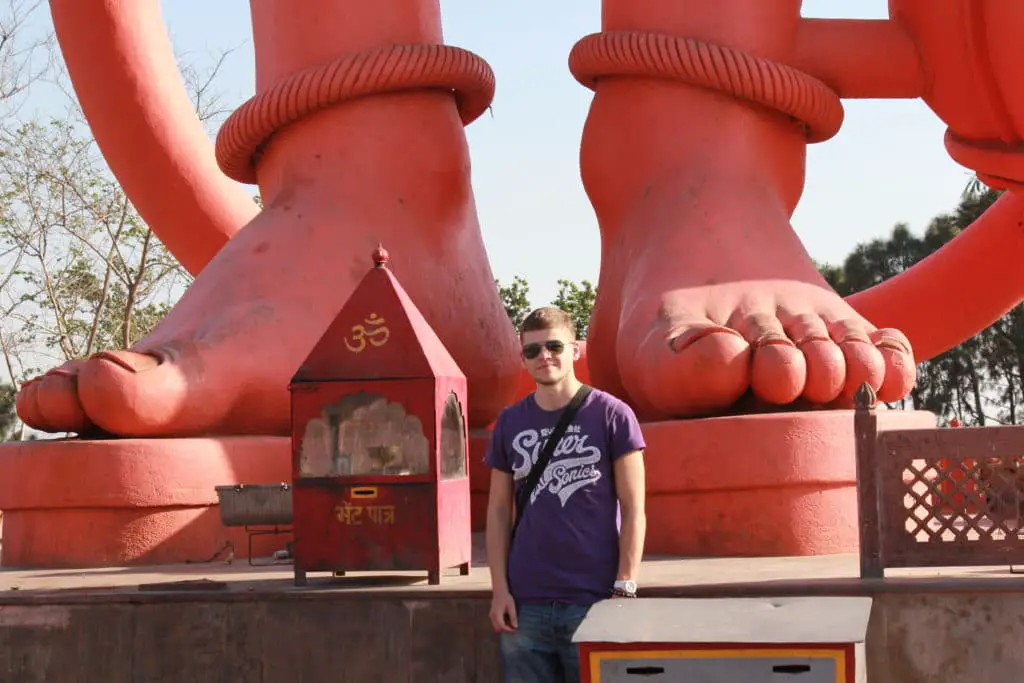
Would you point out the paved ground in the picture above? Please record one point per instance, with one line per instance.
(660, 576)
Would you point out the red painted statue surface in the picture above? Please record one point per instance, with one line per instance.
(693, 156)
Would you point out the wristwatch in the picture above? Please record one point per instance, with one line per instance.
(626, 589)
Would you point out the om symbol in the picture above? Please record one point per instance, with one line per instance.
(373, 332)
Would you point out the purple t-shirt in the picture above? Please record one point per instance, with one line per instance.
(567, 546)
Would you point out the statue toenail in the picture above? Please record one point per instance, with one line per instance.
(772, 340)
(854, 338)
(893, 344)
(812, 338)
(681, 341)
(133, 363)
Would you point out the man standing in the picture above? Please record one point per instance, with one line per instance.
(556, 547)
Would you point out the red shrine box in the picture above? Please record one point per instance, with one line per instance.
(379, 442)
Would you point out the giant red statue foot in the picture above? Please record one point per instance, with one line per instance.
(341, 169)
(221, 361)
(705, 292)
(689, 335)
(697, 366)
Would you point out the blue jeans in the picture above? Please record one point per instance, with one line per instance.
(541, 649)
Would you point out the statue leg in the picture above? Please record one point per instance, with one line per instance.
(693, 156)
(390, 168)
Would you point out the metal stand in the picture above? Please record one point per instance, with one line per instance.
(252, 531)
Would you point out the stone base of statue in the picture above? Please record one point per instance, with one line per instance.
(755, 485)
(73, 503)
(778, 484)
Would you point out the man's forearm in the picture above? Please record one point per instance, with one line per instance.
(499, 531)
(631, 543)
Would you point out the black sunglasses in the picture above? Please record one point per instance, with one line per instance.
(555, 346)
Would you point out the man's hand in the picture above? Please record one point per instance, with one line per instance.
(503, 612)
(499, 533)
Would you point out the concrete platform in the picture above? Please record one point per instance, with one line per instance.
(222, 622)
(661, 577)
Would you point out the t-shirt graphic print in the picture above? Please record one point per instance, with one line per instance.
(573, 465)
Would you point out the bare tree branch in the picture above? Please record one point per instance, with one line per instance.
(24, 59)
(206, 100)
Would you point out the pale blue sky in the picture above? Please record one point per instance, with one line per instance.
(887, 165)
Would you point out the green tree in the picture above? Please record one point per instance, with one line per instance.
(9, 424)
(516, 298)
(833, 276)
(578, 301)
(90, 274)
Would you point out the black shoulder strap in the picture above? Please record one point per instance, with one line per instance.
(523, 497)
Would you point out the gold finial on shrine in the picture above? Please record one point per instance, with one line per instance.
(380, 256)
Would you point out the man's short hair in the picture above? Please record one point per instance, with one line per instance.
(548, 318)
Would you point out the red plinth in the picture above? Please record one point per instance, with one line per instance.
(746, 486)
(78, 504)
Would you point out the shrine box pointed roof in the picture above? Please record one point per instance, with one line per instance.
(378, 334)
